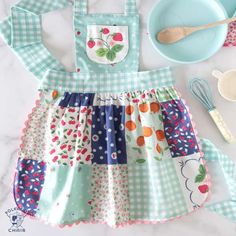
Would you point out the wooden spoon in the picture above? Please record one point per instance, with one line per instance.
(175, 34)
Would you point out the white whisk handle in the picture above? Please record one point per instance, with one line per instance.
(218, 119)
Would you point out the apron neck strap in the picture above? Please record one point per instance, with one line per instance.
(81, 7)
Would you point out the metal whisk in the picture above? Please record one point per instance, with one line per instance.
(202, 92)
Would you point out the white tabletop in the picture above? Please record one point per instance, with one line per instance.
(18, 92)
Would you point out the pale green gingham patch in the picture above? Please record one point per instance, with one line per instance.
(154, 191)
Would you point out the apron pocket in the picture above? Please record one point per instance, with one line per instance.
(107, 44)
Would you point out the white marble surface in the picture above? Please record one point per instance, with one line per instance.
(18, 91)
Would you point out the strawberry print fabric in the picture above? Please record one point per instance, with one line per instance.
(28, 183)
(107, 44)
(114, 158)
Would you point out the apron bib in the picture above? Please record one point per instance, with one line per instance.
(106, 144)
(106, 42)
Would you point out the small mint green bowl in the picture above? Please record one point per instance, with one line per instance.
(197, 47)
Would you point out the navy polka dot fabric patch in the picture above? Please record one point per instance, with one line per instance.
(178, 128)
(28, 183)
(77, 99)
(108, 135)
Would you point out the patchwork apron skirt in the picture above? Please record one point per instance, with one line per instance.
(109, 148)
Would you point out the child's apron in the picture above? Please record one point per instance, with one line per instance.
(106, 144)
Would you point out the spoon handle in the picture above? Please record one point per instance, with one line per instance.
(226, 21)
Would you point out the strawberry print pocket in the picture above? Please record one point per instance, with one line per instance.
(107, 44)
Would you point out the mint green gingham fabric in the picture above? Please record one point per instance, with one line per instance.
(130, 7)
(5, 30)
(226, 208)
(40, 7)
(37, 59)
(81, 6)
(154, 191)
(113, 82)
(26, 28)
(22, 32)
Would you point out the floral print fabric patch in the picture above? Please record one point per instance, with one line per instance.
(110, 202)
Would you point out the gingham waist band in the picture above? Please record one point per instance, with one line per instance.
(107, 82)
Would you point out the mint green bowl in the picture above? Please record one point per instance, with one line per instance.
(230, 6)
(197, 47)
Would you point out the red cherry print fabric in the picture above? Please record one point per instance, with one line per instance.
(70, 130)
(178, 129)
(28, 184)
